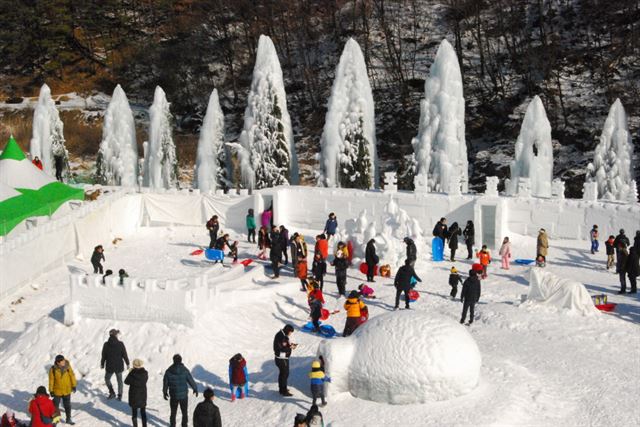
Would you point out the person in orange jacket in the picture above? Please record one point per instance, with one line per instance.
(485, 259)
(354, 307)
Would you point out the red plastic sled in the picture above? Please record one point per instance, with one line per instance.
(477, 267)
(606, 307)
(197, 252)
(246, 262)
(324, 314)
(350, 250)
(364, 267)
(413, 295)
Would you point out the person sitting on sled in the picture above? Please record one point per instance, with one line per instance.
(238, 377)
(315, 306)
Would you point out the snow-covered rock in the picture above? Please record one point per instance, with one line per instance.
(117, 162)
(611, 168)
(209, 173)
(267, 151)
(160, 162)
(440, 150)
(47, 140)
(348, 157)
(533, 153)
(404, 357)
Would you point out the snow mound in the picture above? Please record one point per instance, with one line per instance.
(551, 290)
(404, 357)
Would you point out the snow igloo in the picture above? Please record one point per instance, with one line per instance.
(402, 358)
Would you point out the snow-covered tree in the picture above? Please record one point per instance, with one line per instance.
(161, 162)
(267, 152)
(611, 167)
(210, 171)
(533, 152)
(348, 157)
(440, 150)
(47, 140)
(117, 162)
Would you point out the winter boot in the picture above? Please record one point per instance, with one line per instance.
(112, 394)
(241, 394)
(233, 395)
(68, 421)
(119, 398)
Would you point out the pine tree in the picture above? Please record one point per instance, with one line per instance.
(355, 171)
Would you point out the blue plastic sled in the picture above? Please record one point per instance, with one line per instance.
(214, 254)
(246, 385)
(521, 261)
(437, 249)
(326, 331)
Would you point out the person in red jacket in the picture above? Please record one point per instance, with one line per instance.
(9, 420)
(238, 377)
(43, 412)
(37, 162)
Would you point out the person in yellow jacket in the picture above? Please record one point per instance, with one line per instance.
(354, 307)
(62, 382)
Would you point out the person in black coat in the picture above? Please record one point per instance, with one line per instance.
(454, 232)
(636, 241)
(412, 251)
(341, 263)
(207, 413)
(282, 348)
(371, 258)
(114, 354)
(633, 269)
(96, 257)
(213, 226)
(403, 283)
(621, 238)
(440, 229)
(470, 295)
(621, 266)
(137, 382)
(469, 234)
(276, 252)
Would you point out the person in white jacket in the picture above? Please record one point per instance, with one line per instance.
(505, 253)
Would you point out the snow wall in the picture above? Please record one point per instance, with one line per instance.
(75, 232)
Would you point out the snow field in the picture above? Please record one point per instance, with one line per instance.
(540, 365)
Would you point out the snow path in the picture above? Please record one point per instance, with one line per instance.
(540, 366)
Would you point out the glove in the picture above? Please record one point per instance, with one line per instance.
(195, 393)
(73, 389)
(166, 396)
(102, 366)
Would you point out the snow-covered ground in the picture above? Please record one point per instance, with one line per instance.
(539, 366)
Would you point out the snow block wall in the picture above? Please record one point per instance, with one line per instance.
(403, 358)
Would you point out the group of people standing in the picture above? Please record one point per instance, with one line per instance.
(621, 254)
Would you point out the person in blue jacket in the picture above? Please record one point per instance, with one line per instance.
(331, 226)
(175, 383)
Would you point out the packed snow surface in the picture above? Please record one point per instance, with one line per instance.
(541, 366)
(410, 357)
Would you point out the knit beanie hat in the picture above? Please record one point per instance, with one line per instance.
(315, 364)
(59, 358)
(454, 270)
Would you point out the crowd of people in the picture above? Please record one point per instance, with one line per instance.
(281, 248)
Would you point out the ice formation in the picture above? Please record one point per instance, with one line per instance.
(47, 140)
(160, 163)
(533, 153)
(117, 162)
(267, 152)
(403, 358)
(209, 173)
(611, 167)
(440, 148)
(348, 157)
(395, 225)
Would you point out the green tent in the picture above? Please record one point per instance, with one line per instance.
(26, 191)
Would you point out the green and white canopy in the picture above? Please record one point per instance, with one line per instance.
(26, 191)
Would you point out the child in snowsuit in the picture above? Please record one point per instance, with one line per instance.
(366, 291)
(318, 378)
(319, 269)
(470, 295)
(454, 279)
(96, 257)
(238, 377)
(233, 251)
(313, 290)
(354, 307)
(505, 253)
(251, 227)
(315, 306)
(485, 259)
(593, 235)
(609, 245)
